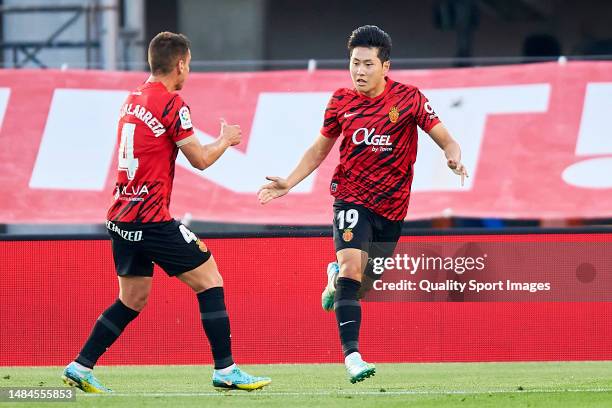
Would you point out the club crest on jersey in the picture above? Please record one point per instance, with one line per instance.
(185, 118)
(347, 235)
(201, 245)
(394, 114)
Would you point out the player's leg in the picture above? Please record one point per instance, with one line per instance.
(349, 232)
(207, 283)
(133, 294)
(352, 237)
(348, 311)
(386, 234)
(183, 255)
(367, 282)
(347, 307)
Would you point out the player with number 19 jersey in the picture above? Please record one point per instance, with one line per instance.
(153, 124)
(379, 145)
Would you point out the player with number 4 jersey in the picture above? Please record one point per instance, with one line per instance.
(154, 124)
(377, 123)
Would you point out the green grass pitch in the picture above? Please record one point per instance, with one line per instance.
(571, 384)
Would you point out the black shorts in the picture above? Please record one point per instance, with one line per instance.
(171, 245)
(355, 226)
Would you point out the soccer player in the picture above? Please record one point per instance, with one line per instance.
(154, 124)
(377, 122)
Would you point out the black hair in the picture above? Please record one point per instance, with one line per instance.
(372, 37)
(165, 49)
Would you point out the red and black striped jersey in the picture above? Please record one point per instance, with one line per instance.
(379, 145)
(153, 123)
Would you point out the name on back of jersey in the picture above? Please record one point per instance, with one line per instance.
(145, 116)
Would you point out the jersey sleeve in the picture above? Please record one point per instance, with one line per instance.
(425, 116)
(331, 126)
(179, 120)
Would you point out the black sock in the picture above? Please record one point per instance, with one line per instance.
(348, 313)
(216, 325)
(107, 329)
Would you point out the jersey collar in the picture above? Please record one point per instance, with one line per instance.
(157, 84)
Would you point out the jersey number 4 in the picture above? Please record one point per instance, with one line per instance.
(127, 161)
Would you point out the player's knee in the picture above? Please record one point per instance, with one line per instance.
(206, 283)
(350, 270)
(135, 301)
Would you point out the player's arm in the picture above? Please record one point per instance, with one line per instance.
(311, 159)
(203, 156)
(451, 149)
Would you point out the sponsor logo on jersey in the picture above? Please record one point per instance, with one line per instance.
(131, 193)
(394, 114)
(333, 187)
(368, 136)
(379, 143)
(145, 116)
(347, 235)
(430, 110)
(185, 118)
(133, 236)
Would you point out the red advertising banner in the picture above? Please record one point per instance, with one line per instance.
(534, 138)
(53, 291)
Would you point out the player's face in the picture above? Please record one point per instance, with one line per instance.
(368, 71)
(183, 70)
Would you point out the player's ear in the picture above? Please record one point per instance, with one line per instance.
(386, 66)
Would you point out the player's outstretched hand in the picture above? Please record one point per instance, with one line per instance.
(230, 133)
(459, 169)
(277, 188)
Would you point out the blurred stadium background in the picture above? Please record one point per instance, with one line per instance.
(47, 42)
(525, 86)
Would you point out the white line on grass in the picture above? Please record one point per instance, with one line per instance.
(267, 393)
